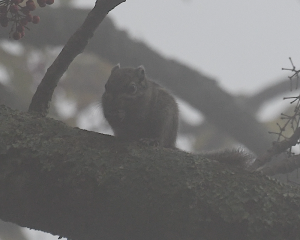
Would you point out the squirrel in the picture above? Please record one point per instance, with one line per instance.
(139, 109)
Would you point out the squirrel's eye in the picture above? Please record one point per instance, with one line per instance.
(132, 88)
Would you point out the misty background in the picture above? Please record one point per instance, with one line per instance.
(243, 45)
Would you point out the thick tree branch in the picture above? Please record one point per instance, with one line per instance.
(84, 185)
(75, 45)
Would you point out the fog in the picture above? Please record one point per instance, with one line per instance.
(242, 44)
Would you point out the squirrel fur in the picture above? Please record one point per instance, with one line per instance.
(139, 109)
(234, 157)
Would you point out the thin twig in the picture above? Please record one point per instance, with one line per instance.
(296, 73)
(277, 148)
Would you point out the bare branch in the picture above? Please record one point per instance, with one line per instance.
(284, 166)
(75, 45)
(278, 147)
(295, 73)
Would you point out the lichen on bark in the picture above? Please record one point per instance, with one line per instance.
(86, 185)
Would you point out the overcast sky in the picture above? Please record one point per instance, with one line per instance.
(242, 44)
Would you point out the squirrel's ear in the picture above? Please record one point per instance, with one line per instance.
(115, 68)
(140, 72)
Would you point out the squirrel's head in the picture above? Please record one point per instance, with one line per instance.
(126, 80)
(125, 89)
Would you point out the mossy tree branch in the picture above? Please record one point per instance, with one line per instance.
(85, 185)
(75, 46)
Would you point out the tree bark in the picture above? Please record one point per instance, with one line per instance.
(84, 185)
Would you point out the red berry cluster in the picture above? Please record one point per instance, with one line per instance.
(18, 12)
